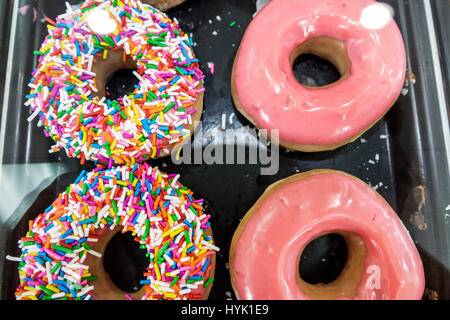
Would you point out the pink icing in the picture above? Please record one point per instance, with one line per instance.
(265, 264)
(272, 97)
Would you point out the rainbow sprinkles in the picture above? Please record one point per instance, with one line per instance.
(166, 221)
(145, 124)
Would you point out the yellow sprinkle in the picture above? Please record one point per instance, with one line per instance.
(131, 211)
(48, 64)
(76, 79)
(113, 145)
(105, 54)
(122, 183)
(170, 295)
(158, 273)
(117, 151)
(54, 289)
(179, 230)
(167, 233)
(136, 19)
(83, 141)
(30, 288)
(171, 222)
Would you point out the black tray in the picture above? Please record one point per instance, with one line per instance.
(411, 142)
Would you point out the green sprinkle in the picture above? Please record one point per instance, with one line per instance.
(47, 291)
(186, 236)
(147, 228)
(208, 282)
(170, 106)
(61, 248)
(91, 278)
(86, 246)
(114, 206)
(232, 24)
(55, 268)
(163, 250)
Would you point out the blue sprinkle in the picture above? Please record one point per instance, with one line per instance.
(83, 172)
(205, 265)
(66, 234)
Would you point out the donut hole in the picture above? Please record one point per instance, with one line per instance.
(125, 262)
(320, 62)
(323, 259)
(313, 71)
(120, 83)
(331, 265)
(114, 76)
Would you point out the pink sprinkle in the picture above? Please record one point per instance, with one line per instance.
(211, 67)
(23, 10)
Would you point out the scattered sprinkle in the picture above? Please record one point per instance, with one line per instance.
(211, 67)
(231, 119)
(224, 122)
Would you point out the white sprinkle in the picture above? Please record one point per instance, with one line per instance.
(224, 121)
(231, 118)
(95, 253)
(11, 258)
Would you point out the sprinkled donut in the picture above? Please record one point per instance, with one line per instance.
(359, 37)
(90, 42)
(382, 261)
(61, 253)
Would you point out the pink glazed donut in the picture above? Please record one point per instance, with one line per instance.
(382, 261)
(371, 59)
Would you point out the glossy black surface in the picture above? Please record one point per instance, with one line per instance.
(406, 149)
